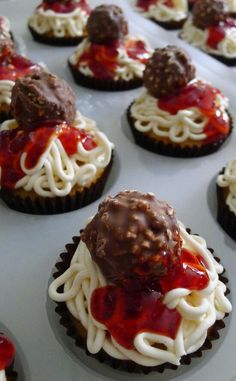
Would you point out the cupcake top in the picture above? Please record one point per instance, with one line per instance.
(163, 11)
(7, 354)
(133, 235)
(148, 322)
(64, 6)
(209, 13)
(41, 96)
(106, 24)
(227, 180)
(168, 71)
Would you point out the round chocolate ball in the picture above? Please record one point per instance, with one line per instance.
(168, 71)
(209, 13)
(106, 24)
(42, 96)
(133, 237)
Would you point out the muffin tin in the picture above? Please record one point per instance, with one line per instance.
(30, 245)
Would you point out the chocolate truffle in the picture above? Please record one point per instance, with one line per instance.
(168, 71)
(133, 236)
(42, 96)
(106, 24)
(209, 13)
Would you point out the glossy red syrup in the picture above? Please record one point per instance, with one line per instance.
(128, 311)
(70, 6)
(15, 67)
(102, 59)
(34, 142)
(217, 33)
(203, 96)
(7, 352)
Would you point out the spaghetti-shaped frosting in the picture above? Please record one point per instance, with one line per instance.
(59, 24)
(5, 25)
(3, 375)
(56, 173)
(198, 38)
(186, 124)
(126, 68)
(232, 5)
(198, 309)
(5, 91)
(228, 180)
(162, 12)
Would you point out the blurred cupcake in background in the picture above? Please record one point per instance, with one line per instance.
(7, 356)
(109, 58)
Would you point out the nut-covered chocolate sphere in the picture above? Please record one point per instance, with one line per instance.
(42, 96)
(209, 12)
(106, 24)
(133, 236)
(168, 71)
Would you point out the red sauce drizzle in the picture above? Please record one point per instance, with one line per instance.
(14, 67)
(217, 33)
(127, 312)
(7, 352)
(34, 142)
(102, 59)
(70, 6)
(203, 96)
(146, 4)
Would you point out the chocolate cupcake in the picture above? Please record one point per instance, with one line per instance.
(226, 198)
(12, 66)
(7, 355)
(178, 115)
(170, 15)
(136, 289)
(109, 59)
(211, 29)
(60, 22)
(52, 158)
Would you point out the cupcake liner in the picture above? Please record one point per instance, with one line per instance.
(171, 149)
(68, 321)
(225, 217)
(224, 60)
(11, 375)
(170, 25)
(56, 205)
(104, 84)
(4, 116)
(56, 41)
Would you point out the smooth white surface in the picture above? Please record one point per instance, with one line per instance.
(30, 245)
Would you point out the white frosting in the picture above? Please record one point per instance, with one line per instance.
(198, 38)
(232, 5)
(2, 375)
(162, 12)
(56, 173)
(228, 179)
(126, 68)
(199, 309)
(186, 124)
(59, 24)
(5, 91)
(5, 24)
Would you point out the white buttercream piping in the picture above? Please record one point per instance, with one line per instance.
(3, 375)
(161, 12)
(59, 24)
(5, 91)
(56, 173)
(199, 309)
(228, 179)
(126, 67)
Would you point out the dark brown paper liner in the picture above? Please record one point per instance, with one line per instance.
(171, 149)
(170, 25)
(4, 116)
(56, 41)
(11, 375)
(102, 84)
(56, 205)
(66, 320)
(225, 217)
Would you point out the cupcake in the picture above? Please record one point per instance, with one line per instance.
(210, 29)
(12, 66)
(178, 114)
(140, 292)
(59, 22)
(7, 355)
(226, 197)
(109, 58)
(52, 158)
(168, 14)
